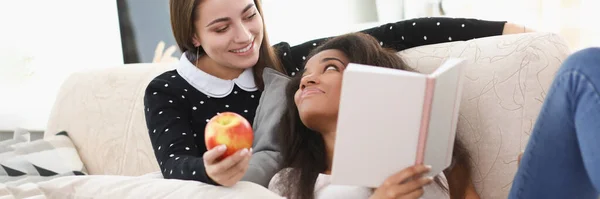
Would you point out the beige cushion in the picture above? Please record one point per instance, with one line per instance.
(103, 112)
(507, 80)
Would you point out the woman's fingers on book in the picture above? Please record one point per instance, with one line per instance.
(406, 174)
(409, 189)
(415, 194)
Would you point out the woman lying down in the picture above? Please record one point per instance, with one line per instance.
(309, 127)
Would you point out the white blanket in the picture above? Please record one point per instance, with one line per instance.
(147, 186)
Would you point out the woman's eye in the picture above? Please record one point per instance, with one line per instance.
(331, 67)
(222, 29)
(251, 16)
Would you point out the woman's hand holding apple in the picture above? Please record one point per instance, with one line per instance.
(228, 171)
(407, 183)
(228, 137)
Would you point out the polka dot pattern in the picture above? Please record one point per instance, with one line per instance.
(173, 125)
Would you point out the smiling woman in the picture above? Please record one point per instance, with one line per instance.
(232, 43)
(310, 122)
(224, 48)
(230, 34)
(309, 97)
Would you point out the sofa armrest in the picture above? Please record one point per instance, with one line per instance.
(102, 110)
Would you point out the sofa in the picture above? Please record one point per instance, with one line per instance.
(102, 110)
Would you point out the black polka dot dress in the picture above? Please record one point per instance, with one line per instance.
(179, 103)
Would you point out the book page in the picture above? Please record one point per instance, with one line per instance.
(378, 124)
(443, 116)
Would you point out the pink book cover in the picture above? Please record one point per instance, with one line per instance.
(391, 119)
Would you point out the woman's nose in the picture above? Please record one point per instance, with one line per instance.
(309, 80)
(243, 35)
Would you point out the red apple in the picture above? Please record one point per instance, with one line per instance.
(230, 129)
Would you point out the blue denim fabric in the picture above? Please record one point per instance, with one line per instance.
(562, 158)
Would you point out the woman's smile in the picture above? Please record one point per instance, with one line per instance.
(246, 50)
(309, 91)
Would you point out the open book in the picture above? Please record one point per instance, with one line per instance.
(391, 119)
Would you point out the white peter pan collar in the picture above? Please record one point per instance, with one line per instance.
(211, 85)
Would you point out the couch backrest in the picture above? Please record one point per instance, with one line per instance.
(507, 79)
(102, 111)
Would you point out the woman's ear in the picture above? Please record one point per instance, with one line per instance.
(196, 40)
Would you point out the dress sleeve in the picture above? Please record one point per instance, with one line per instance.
(171, 133)
(401, 35)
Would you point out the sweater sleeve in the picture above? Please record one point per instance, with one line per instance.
(171, 133)
(293, 58)
(401, 35)
(406, 34)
